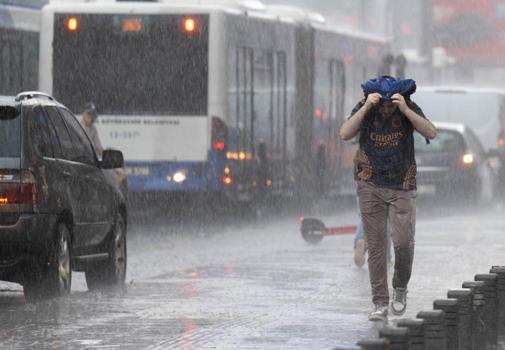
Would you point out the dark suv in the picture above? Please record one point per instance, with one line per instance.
(61, 208)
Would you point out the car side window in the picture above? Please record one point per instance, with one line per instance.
(81, 142)
(61, 131)
(38, 130)
(55, 141)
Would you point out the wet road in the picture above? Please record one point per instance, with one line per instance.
(208, 284)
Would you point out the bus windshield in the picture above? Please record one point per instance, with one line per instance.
(131, 64)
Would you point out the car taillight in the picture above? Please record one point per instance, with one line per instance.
(227, 180)
(219, 134)
(17, 187)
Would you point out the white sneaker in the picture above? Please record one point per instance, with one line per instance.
(399, 303)
(359, 253)
(380, 313)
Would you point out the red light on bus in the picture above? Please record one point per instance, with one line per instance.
(189, 25)
(218, 145)
(72, 24)
(132, 25)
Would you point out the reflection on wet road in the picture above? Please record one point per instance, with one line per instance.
(248, 286)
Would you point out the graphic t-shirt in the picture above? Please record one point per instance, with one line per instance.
(386, 154)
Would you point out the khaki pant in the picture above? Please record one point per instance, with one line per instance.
(397, 208)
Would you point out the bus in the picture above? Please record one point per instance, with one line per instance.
(19, 35)
(228, 98)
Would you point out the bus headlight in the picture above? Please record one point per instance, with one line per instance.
(178, 177)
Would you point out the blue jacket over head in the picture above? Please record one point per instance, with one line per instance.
(387, 86)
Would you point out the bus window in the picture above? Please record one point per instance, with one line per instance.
(245, 99)
(263, 98)
(280, 108)
(131, 65)
(18, 61)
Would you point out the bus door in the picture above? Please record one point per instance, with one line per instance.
(242, 159)
(279, 119)
(270, 118)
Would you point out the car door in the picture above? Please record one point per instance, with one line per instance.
(68, 176)
(44, 151)
(96, 197)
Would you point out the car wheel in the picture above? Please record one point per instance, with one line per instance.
(56, 279)
(110, 272)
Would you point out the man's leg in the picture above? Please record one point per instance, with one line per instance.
(402, 220)
(374, 216)
(359, 245)
(390, 245)
(360, 232)
(359, 241)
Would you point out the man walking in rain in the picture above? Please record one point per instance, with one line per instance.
(386, 176)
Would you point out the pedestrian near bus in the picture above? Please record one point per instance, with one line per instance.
(88, 119)
(385, 171)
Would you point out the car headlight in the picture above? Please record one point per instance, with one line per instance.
(468, 158)
(467, 161)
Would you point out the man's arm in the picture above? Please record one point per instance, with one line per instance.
(422, 125)
(351, 126)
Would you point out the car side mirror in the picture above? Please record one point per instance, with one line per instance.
(112, 159)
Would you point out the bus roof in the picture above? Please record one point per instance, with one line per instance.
(111, 5)
(34, 4)
(253, 8)
(20, 17)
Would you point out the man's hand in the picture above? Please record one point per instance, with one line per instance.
(422, 125)
(372, 100)
(351, 126)
(399, 101)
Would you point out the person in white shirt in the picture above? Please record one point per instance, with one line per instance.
(88, 118)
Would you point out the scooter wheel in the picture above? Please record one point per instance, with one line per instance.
(312, 230)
